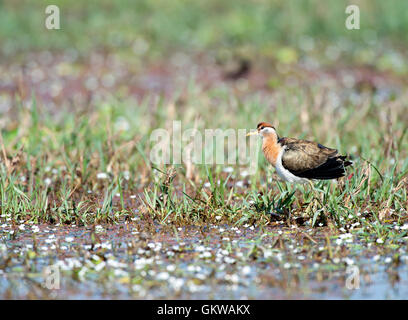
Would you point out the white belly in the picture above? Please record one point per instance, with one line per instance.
(284, 173)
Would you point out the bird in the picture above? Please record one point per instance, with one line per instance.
(300, 161)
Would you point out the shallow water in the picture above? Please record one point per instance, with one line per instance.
(135, 261)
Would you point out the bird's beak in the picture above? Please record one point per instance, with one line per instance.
(251, 133)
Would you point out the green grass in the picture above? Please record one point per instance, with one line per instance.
(52, 162)
(78, 107)
(149, 29)
(51, 173)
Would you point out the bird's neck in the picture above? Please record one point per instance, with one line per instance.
(271, 148)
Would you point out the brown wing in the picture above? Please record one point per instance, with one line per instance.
(312, 160)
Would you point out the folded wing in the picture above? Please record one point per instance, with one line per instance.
(312, 160)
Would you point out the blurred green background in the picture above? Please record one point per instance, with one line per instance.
(153, 28)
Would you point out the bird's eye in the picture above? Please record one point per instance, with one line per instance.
(262, 128)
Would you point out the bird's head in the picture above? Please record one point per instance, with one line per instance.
(264, 129)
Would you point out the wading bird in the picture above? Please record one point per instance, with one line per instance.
(298, 160)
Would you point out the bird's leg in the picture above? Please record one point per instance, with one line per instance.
(289, 190)
(308, 208)
(283, 207)
(313, 205)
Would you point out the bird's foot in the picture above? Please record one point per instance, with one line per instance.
(313, 210)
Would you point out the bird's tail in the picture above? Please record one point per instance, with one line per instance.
(333, 168)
